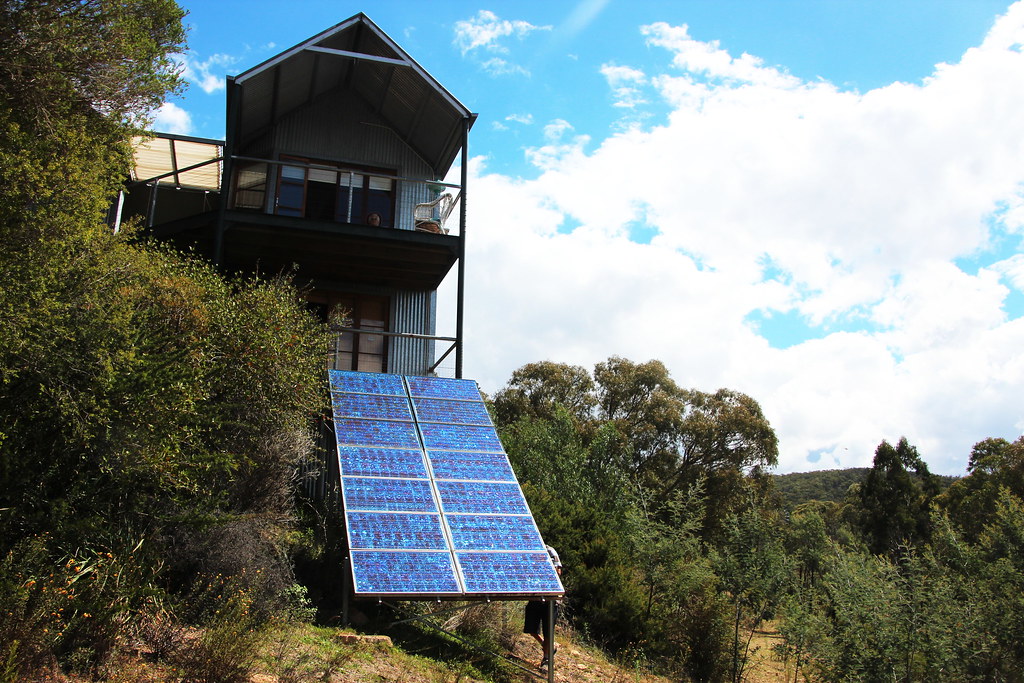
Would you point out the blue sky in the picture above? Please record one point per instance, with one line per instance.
(820, 204)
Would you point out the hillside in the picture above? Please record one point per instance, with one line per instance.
(301, 652)
(826, 485)
(797, 488)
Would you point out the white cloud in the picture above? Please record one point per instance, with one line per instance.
(708, 59)
(487, 33)
(862, 204)
(208, 74)
(625, 83)
(558, 149)
(525, 119)
(170, 118)
(1012, 269)
(496, 66)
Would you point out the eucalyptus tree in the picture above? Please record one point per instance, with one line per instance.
(994, 464)
(895, 498)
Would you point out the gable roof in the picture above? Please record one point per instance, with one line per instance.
(355, 55)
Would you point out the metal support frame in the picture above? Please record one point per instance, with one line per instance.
(459, 316)
(226, 182)
(346, 588)
(549, 642)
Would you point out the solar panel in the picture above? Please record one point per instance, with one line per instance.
(508, 573)
(372, 407)
(354, 432)
(494, 532)
(459, 437)
(395, 531)
(443, 387)
(431, 504)
(482, 497)
(367, 383)
(381, 462)
(379, 572)
(387, 495)
(480, 466)
(444, 410)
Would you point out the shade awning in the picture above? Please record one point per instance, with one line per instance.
(178, 161)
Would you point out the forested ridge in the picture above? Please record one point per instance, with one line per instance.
(797, 488)
(154, 417)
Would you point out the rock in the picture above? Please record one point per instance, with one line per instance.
(362, 638)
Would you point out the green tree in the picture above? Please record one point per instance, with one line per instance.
(537, 389)
(807, 543)
(754, 570)
(686, 611)
(145, 401)
(647, 409)
(678, 437)
(895, 498)
(994, 464)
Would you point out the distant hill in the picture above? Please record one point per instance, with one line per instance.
(828, 485)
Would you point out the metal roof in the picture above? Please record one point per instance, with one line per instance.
(357, 56)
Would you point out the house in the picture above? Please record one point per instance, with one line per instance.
(333, 163)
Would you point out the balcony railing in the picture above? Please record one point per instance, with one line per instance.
(252, 183)
(435, 366)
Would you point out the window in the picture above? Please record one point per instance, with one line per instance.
(250, 185)
(291, 191)
(344, 194)
(363, 350)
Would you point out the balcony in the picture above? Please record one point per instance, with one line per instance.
(338, 224)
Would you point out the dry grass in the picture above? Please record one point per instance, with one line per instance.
(307, 653)
(765, 666)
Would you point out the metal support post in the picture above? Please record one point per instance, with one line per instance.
(549, 641)
(344, 591)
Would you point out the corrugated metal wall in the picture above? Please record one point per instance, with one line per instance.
(343, 129)
(411, 312)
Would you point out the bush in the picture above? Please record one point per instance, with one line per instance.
(228, 642)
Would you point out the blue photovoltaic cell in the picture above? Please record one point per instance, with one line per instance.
(442, 387)
(459, 437)
(494, 532)
(459, 465)
(395, 530)
(376, 571)
(508, 573)
(381, 462)
(352, 432)
(388, 495)
(371, 407)
(366, 383)
(443, 410)
(481, 497)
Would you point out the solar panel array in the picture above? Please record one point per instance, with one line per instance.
(432, 506)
